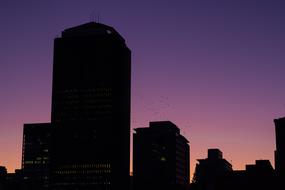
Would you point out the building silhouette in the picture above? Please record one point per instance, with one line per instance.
(210, 170)
(34, 172)
(91, 109)
(280, 146)
(12, 181)
(36, 155)
(160, 157)
(260, 176)
(3, 176)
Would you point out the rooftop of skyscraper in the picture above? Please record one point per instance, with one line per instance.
(91, 29)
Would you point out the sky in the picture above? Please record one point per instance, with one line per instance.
(213, 67)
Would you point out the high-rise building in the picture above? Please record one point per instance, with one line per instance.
(36, 155)
(160, 157)
(280, 145)
(91, 109)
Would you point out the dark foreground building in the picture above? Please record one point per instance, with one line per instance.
(91, 109)
(35, 171)
(36, 156)
(210, 170)
(280, 146)
(259, 176)
(12, 181)
(160, 157)
(3, 176)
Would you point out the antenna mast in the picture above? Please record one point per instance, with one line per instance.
(98, 17)
(94, 17)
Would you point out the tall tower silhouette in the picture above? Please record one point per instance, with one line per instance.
(280, 146)
(36, 156)
(91, 109)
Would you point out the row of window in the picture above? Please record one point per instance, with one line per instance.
(35, 162)
(78, 166)
(83, 172)
(90, 183)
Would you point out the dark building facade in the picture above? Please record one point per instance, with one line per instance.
(160, 157)
(280, 146)
(210, 170)
(91, 109)
(13, 181)
(36, 155)
(3, 176)
(260, 176)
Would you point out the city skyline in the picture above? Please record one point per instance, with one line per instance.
(226, 85)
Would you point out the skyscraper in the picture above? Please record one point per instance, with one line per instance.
(91, 109)
(280, 145)
(160, 157)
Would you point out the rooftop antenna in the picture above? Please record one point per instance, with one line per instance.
(94, 17)
(91, 17)
(98, 18)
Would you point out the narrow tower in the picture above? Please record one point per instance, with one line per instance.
(280, 145)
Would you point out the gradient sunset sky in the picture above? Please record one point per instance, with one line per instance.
(213, 67)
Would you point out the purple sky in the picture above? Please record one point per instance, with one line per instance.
(213, 67)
